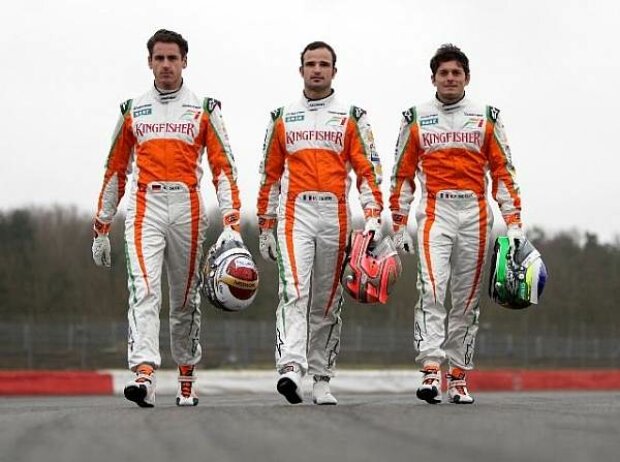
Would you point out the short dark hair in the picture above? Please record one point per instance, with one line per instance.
(448, 52)
(168, 36)
(315, 46)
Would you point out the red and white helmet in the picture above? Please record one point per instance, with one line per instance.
(230, 276)
(368, 275)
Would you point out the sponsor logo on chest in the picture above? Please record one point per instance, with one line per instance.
(430, 139)
(311, 136)
(165, 128)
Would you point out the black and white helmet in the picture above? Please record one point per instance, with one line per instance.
(229, 276)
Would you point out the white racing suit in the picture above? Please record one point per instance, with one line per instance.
(310, 148)
(451, 149)
(162, 138)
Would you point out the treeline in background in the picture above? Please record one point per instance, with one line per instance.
(59, 311)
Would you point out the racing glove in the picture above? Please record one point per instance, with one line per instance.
(402, 238)
(102, 250)
(266, 239)
(514, 234)
(373, 224)
(231, 221)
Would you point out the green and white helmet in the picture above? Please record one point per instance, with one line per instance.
(518, 281)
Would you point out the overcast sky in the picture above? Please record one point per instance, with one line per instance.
(552, 67)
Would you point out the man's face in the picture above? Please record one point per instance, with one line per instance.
(450, 81)
(167, 65)
(318, 71)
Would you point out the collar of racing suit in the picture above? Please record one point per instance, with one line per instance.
(449, 107)
(314, 104)
(166, 97)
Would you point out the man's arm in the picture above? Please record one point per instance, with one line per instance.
(114, 182)
(402, 186)
(504, 186)
(364, 160)
(271, 168)
(222, 164)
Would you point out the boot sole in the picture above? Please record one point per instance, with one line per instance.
(430, 395)
(287, 388)
(137, 395)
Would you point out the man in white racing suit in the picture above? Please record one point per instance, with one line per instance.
(451, 144)
(310, 147)
(161, 136)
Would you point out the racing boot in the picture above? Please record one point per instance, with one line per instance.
(321, 393)
(457, 387)
(186, 393)
(430, 389)
(289, 383)
(141, 389)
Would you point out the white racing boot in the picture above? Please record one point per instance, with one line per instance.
(457, 387)
(321, 393)
(186, 392)
(141, 389)
(430, 389)
(289, 383)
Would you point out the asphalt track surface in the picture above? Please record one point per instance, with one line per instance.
(549, 426)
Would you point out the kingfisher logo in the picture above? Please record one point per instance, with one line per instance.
(295, 136)
(182, 128)
(433, 139)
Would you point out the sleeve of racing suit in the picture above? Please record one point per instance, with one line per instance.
(364, 159)
(220, 158)
(505, 189)
(271, 168)
(402, 187)
(118, 166)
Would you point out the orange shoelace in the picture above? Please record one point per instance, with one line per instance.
(186, 386)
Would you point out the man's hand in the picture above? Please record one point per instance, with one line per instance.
(373, 225)
(514, 234)
(228, 234)
(267, 244)
(102, 250)
(403, 240)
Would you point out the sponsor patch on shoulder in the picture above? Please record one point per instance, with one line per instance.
(409, 115)
(276, 113)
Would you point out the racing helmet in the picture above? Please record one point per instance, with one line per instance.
(368, 275)
(518, 281)
(229, 276)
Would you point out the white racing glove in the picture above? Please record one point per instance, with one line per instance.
(228, 234)
(373, 224)
(231, 221)
(102, 251)
(267, 244)
(514, 233)
(403, 240)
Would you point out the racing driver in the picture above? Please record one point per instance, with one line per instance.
(449, 144)
(161, 136)
(310, 147)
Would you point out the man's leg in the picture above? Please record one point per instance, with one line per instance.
(467, 270)
(434, 245)
(144, 249)
(185, 238)
(296, 249)
(325, 322)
